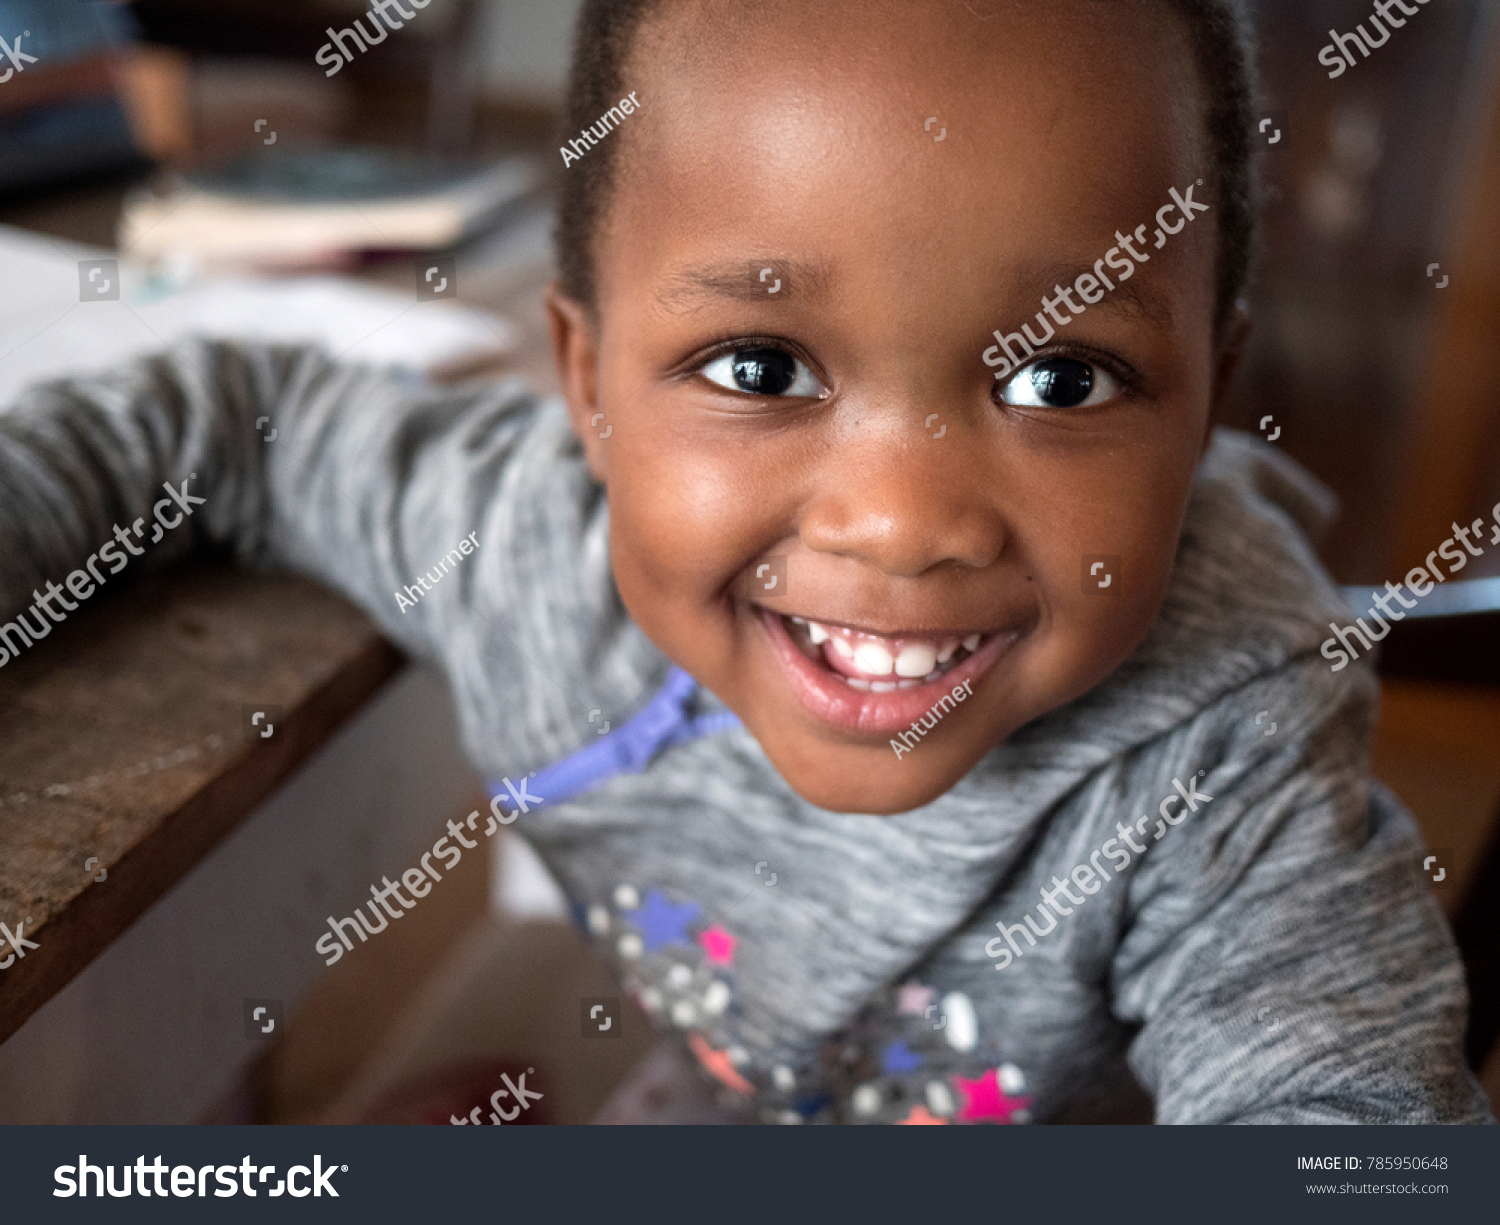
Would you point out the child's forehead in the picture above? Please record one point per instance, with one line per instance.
(1069, 116)
(1058, 90)
(820, 53)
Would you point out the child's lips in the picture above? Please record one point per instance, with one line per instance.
(857, 679)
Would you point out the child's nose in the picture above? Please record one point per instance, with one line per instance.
(906, 509)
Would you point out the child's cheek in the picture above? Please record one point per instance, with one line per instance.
(1079, 641)
(679, 529)
(1104, 569)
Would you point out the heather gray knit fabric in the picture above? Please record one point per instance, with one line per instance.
(1270, 954)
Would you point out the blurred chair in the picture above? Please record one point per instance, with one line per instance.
(1453, 637)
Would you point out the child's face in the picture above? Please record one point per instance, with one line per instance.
(911, 503)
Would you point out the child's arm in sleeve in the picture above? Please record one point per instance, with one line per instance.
(462, 519)
(351, 473)
(1286, 962)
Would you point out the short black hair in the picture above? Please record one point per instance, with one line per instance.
(1220, 35)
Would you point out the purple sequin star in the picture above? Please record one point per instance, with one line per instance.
(663, 923)
(899, 1058)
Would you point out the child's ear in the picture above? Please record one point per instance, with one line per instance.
(1236, 335)
(575, 348)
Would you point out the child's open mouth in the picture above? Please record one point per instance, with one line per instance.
(876, 683)
(876, 664)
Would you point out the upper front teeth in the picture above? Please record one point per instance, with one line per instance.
(873, 658)
(916, 660)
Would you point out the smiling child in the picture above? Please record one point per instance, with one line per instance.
(793, 512)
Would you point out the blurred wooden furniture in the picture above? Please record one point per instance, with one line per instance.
(125, 748)
(1452, 437)
(1444, 660)
(1381, 384)
(436, 50)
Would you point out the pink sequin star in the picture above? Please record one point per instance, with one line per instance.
(718, 944)
(913, 998)
(986, 1101)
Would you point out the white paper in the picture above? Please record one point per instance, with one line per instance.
(47, 332)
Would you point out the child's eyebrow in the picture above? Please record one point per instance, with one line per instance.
(752, 281)
(1129, 298)
(742, 281)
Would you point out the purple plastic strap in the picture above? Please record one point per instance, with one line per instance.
(662, 723)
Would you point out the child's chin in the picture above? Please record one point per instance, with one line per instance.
(847, 780)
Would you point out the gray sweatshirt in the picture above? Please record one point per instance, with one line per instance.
(1237, 916)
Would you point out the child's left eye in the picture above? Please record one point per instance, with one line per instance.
(1060, 382)
(763, 372)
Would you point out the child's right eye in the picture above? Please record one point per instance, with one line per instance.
(763, 372)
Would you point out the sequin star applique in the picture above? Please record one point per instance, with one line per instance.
(898, 1058)
(986, 1101)
(913, 999)
(718, 1065)
(663, 923)
(718, 944)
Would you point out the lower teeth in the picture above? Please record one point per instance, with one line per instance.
(889, 686)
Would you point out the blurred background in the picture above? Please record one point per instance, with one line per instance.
(204, 145)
